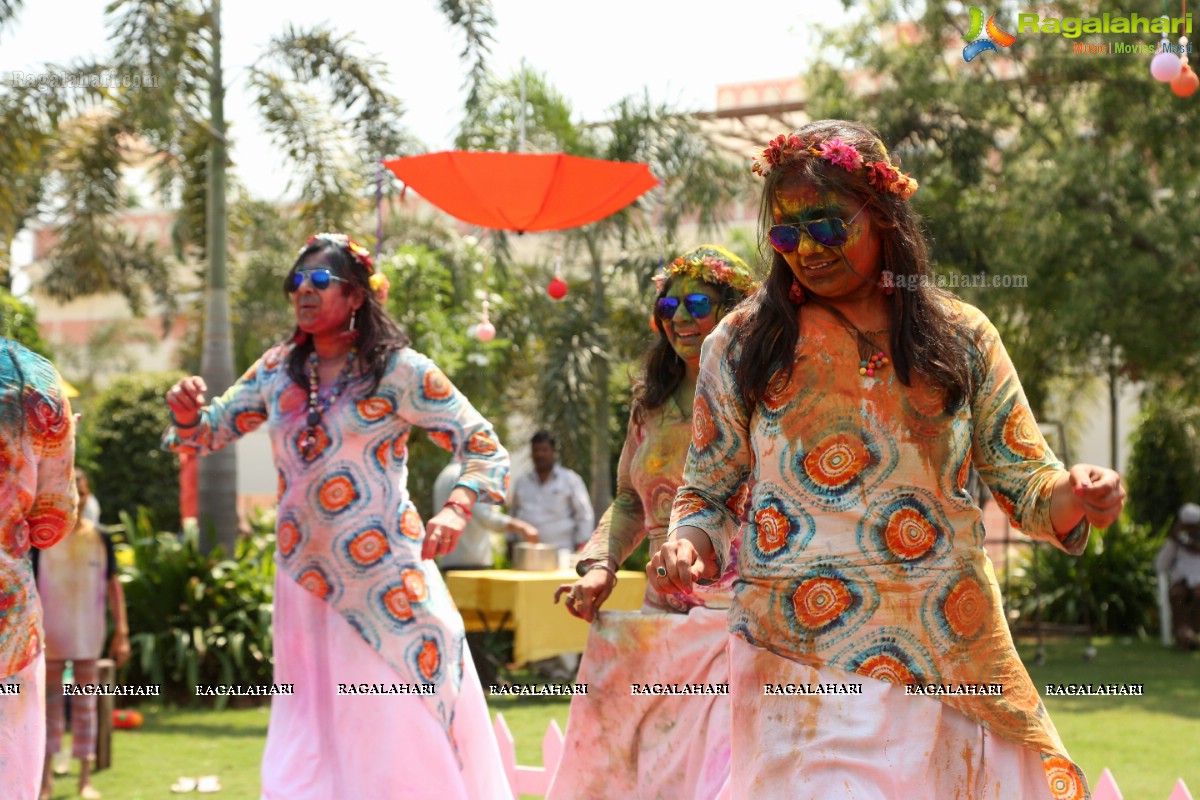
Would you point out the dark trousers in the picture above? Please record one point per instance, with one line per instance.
(1185, 613)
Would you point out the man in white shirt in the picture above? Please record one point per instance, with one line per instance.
(553, 498)
(474, 548)
(1179, 560)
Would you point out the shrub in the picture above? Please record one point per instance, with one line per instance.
(1164, 466)
(18, 322)
(120, 448)
(197, 618)
(1110, 587)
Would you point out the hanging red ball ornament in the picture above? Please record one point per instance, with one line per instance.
(557, 288)
(1186, 82)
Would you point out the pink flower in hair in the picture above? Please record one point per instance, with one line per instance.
(840, 154)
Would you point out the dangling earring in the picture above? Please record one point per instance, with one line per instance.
(351, 335)
(797, 294)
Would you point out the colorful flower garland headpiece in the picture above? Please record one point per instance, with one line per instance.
(711, 264)
(787, 148)
(362, 256)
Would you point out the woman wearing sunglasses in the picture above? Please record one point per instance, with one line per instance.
(869, 654)
(619, 745)
(364, 628)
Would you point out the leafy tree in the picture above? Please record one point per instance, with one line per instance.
(619, 253)
(182, 120)
(18, 321)
(120, 449)
(1032, 164)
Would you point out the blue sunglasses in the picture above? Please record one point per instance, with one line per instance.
(698, 305)
(320, 278)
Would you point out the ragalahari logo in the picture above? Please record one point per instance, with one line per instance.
(978, 44)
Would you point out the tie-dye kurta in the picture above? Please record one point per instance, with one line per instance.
(648, 477)
(37, 493)
(37, 507)
(620, 745)
(863, 551)
(347, 530)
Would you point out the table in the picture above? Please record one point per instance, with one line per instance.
(508, 599)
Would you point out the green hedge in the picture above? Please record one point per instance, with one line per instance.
(120, 449)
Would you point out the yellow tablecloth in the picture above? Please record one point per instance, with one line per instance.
(541, 628)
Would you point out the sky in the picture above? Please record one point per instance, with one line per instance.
(594, 53)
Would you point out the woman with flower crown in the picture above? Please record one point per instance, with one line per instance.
(869, 652)
(386, 700)
(652, 745)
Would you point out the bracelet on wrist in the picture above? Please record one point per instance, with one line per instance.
(182, 425)
(604, 566)
(463, 509)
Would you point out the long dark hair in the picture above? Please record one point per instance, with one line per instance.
(662, 368)
(378, 335)
(926, 337)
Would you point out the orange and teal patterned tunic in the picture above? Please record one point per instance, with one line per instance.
(37, 492)
(346, 529)
(648, 477)
(862, 549)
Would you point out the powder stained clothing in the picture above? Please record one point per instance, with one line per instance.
(72, 579)
(84, 707)
(347, 531)
(862, 550)
(37, 507)
(648, 476)
(37, 494)
(559, 508)
(650, 746)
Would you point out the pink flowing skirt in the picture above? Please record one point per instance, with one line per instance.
(322, 746)
(878, 744)
(23, 732)
(673, 747)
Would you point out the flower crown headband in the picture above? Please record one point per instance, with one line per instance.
(788, 148)
(722, 268)
(362, 256)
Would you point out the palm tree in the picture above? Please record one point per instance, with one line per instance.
(698, 181)
(182, 119)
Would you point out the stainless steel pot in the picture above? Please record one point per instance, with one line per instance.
(535, 557)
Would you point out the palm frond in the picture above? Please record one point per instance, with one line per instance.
(477, 21)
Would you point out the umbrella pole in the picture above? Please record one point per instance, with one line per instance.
(378, 209)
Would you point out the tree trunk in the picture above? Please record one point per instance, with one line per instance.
(218, 472)
(601, 446)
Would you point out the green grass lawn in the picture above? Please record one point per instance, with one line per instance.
(1148, 742)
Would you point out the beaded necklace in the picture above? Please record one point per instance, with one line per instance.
(316, 407)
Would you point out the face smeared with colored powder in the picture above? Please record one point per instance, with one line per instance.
(842, 272)
(685, 332)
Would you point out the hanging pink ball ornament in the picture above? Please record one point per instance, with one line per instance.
(485, 331)
(1186, 82)
(1165, 66)
(557, 288)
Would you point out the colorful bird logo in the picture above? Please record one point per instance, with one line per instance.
(994, 37)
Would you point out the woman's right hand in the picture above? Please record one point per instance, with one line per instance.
(186, 399)
(586, 595)
(678, 565)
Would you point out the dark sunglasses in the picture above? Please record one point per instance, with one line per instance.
(320, 279)
(698, 305)
(828, 232)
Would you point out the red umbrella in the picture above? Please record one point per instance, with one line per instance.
(523, 191)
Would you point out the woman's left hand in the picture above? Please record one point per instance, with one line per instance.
(442, 532)
(118, 649)
(1096, 493)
